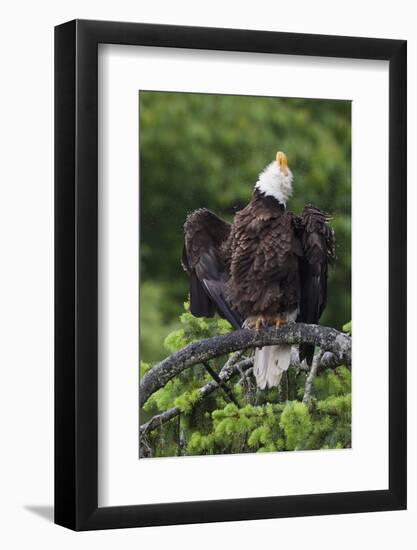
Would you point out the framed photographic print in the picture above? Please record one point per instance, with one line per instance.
(230, 275)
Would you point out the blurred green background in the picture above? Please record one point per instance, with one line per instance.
(201, 150)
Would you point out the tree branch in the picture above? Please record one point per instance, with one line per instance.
(233, 367)
(308, 388)
(227, 372)
(227, 391)
(328, 339)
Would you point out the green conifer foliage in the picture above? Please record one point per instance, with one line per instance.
(264, 421)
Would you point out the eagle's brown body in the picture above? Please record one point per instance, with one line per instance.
(263, 250)
(269, 265)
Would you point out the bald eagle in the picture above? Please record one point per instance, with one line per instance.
(269, 267)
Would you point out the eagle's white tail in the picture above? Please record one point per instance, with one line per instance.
(269, 364)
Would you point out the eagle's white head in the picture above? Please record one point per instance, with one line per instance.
(276, 179)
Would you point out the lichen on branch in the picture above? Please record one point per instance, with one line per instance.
(337, 345)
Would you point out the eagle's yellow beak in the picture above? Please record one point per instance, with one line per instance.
(282, 162)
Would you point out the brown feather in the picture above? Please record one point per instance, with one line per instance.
(264, 262)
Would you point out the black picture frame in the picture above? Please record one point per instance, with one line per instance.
(76, 272)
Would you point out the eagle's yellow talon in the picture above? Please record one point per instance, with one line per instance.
(281, 321)
(259, 323)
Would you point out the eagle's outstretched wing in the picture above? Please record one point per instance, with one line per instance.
(318, 242)
(204, 261)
